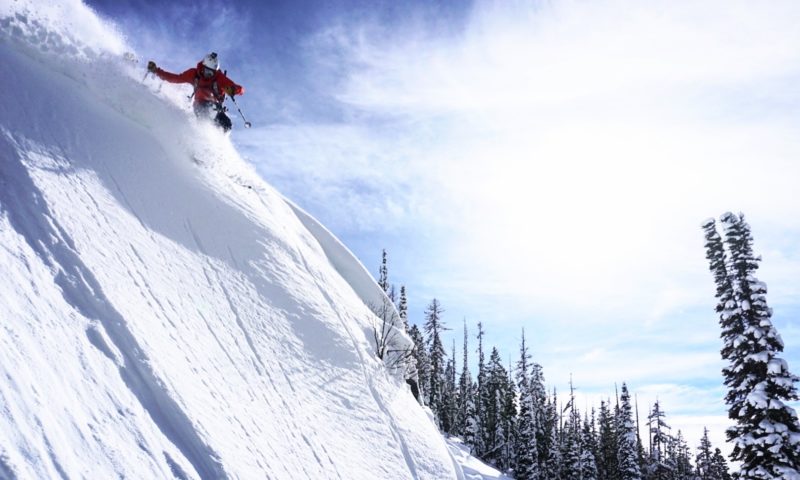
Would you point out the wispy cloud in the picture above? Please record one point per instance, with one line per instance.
(589, 138)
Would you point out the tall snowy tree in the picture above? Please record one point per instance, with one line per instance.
(719, 466)
(464, 390)
(626, 447)
(493, 409)
(705, 457)
(539, 399)
(588, 450)
(422, 362)
(766, 436)
(552, 466)
(472, 430)
(658, 467)
(571, 440)
(527, 467)
(436, 356)
(383, 273)
(402, 307)
(508, 419)
(607, 462)
(683, 462)
(479, 446)
(449, 395)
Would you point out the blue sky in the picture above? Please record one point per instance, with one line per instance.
(537, 165)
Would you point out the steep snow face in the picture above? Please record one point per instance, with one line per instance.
(166, 314)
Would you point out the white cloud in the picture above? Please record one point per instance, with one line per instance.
(580, 143)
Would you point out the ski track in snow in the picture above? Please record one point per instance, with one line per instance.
(30, 216)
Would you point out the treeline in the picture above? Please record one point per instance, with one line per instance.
(507, 417)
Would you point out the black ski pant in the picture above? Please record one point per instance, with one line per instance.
(205, 110)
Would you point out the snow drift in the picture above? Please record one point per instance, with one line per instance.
(165, 313)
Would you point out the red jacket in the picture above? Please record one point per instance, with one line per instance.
(205, 90)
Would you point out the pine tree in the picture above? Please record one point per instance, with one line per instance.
(640, 456)
(402, 307)
(539, 399)
(659, 467)
(464, 391)
(571, 445)
(766, 435)
(449, 395)
(607, 462)
(588, 450)
(628, 458)
(480, 398)
(527, 465)
(508, 420)
(493, 409)
(422, 361)
(383, 274)
(704, 460)
(719, 466)
(683, 462)
(436, 355)
(552, 464)
(472, 431)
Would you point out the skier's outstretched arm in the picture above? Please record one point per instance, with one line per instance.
(185, 77)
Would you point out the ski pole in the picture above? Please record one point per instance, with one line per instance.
(246, 123)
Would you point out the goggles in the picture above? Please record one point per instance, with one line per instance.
(208, 72)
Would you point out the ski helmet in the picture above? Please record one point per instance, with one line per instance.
(211, 61)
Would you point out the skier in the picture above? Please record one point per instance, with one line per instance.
(210, 87)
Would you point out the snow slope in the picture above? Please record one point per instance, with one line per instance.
(165, 313)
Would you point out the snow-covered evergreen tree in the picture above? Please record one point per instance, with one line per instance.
(658, 465)
(551, 467)
(422, 362)
(766, 435)
(480, 398)
(493, 409)
(683, 462)
(402, 307)
(383, 273)
(527, 465)
(607, 463)
(626, 447)
(705, 457)
(436, 356)
(571, 440)
(539, 399)
(449, 395)
(472, 430)
(464, 390)
(588, 450)
(508, 418)
(719, 466)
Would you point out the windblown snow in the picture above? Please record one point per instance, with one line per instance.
(165, 313)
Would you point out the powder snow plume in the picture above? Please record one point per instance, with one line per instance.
(165, 313)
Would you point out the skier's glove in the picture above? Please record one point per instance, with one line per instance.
(230, 91)
(151, 66)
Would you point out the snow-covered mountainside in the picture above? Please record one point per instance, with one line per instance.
(164, 312)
